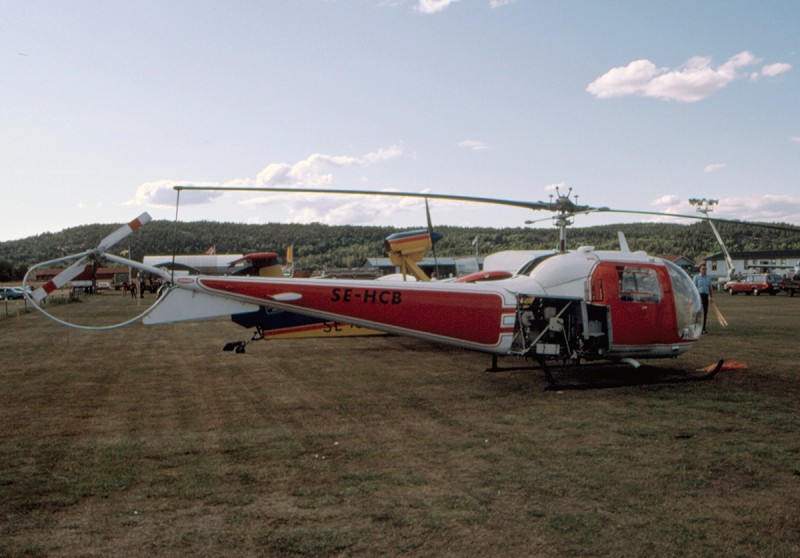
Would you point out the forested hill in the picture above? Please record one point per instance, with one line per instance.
(317, 246)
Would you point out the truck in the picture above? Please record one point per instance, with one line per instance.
(790, 284)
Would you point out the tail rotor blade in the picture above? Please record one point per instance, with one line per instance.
(60, 280)
(123, 231)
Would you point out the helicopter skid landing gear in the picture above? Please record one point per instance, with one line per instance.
(541, 366)
(711, 374)
(496, 368)
(551, 382)
(648, 375)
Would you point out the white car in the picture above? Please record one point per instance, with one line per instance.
(12, 293)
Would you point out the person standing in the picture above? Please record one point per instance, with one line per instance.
(703, 284)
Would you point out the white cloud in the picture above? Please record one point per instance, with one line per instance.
(314, 171)
(433, 6)
(769, 208)
(473, 145)
(669, 204)
(340, 209)
(714, 167)
(695, 80)
(628, 80)
(795, 139)
(500, 3)
(554, 187)
(668, 200)
(161, 193)
(382, 155)
(775, 69)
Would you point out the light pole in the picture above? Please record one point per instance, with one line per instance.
(706, 206)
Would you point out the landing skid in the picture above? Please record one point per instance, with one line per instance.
(495, 368)
(541, 366)
(645, 375)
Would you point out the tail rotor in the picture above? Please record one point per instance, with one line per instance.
(77, 267)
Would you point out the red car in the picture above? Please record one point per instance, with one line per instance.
(754, 284)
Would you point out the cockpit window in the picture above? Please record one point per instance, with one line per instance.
(638, 284)
(688, 307)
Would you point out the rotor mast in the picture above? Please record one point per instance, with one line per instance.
(565, 210)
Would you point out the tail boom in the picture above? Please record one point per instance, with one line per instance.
(471, 316)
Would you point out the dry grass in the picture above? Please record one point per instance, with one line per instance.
(151, 441)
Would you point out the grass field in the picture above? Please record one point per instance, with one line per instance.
(150, 441)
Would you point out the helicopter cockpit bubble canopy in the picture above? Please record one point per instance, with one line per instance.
(688, 306)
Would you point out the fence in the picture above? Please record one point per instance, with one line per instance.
(13, 307)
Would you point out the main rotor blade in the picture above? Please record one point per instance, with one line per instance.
(773, 226)
(497, 201)
(561, 204)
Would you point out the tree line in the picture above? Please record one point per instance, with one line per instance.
(318, 246)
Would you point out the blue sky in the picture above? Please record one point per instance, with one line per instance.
(104, 106)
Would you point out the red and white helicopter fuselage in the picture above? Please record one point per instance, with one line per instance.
(585, 304)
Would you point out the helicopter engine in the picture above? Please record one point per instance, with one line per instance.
(559, 328)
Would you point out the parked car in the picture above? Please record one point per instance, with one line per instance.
(754, 283)
(11, 293)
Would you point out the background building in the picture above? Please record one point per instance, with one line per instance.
(780, 262)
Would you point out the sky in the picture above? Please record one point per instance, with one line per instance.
(106, 105)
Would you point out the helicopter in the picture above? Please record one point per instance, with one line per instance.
(583, 305)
